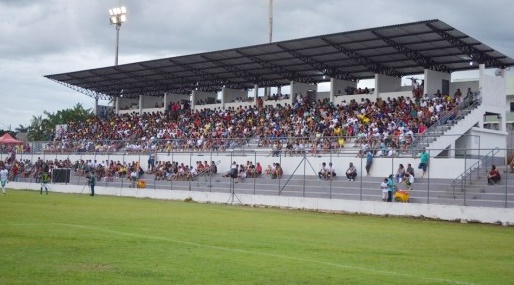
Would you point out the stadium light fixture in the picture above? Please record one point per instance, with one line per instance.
(118, 16)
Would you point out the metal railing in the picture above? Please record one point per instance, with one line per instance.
(445, 122)
(462, 179)
(301, 175)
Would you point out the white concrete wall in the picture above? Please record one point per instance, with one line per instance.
(210, 106)
(172, 97)
(132, 103)
(503, 216)
(397, 94)
(384, 83)
(433, 81)
(323, 95)
(151, 110)
(490, 139)
(493, 91)
(231, 95)
(463, 86)
(301, 88)
(236, 105)
(150, 101)
(339, 86)
(382, 167)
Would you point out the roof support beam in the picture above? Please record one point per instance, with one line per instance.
(204, 76)
(470, 50)
(363, 60)
(87, 92)
(289, 75)
(325, 69)
(420, 59)
(252, 78)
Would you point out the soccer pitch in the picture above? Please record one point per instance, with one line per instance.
(78, 239)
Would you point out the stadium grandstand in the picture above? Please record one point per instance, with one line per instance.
(187, 122)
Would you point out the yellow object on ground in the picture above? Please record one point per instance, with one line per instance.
(401, 196)
(141, 183)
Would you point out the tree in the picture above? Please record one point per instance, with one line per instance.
(77, 113)
(42, 129)
(39, 129)
(22, 129)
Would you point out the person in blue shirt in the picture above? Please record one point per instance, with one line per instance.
(390, 188)
(369, 161)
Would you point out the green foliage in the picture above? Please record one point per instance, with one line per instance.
(41, 129)
(22, 129)
(77, 239)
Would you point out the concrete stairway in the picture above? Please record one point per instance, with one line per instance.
(431, 191)
(448, 129)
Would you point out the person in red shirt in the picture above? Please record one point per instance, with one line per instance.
(258, 169)
(494, 176)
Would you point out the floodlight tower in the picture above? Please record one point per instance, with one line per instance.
(118, 16)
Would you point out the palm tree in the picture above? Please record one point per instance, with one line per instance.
(22, 129)
(39, 129)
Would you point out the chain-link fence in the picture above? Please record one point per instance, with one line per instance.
(460, 180)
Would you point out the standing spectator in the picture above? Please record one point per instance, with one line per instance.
(92, 182)
(45, 179)
(351, 172)
(369, 161)
(151, 160)
(383, 188)
(423, 162)
(494, 176)
(4, 174)
(390, 188)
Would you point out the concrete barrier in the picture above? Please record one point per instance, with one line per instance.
(503, 216)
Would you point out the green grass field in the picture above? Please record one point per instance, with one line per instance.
(74, 239)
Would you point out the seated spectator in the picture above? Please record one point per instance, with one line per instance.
(331, 170)
(351, 172)
(241, 175)
(400, 173)
(233, 172)
(494, 176)
(277, 173)
(408, 180)
(258, 169)
(323, 172)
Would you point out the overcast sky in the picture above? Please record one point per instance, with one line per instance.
(43, 37)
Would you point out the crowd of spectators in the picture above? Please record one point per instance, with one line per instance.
(388, 126)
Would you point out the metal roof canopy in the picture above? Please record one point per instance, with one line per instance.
(392, 50)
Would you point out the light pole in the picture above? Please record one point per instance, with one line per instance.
(118, 15)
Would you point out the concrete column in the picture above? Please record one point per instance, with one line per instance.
(165, 100)
(332, 90)
(481, 70)
(255, 93)
(141, 100)
(223, 96)
(96, 106)
(279, 89)
(117, 105)
(193, 100)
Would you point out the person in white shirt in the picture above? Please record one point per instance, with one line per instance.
(4, 175)
(383, 187)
